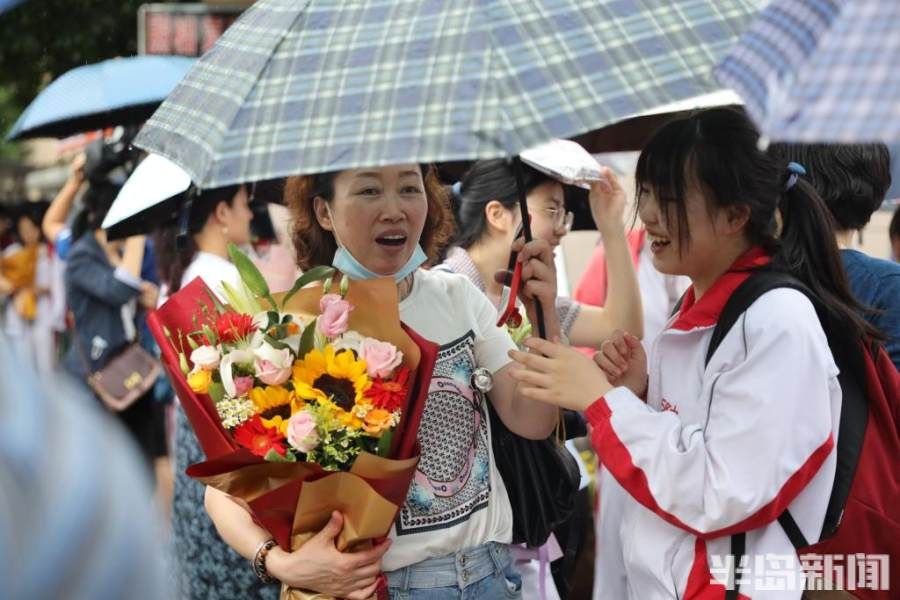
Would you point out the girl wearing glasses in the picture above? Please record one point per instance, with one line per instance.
(488, 217)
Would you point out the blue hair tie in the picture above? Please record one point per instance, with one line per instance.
(456, 190)
(796, 170)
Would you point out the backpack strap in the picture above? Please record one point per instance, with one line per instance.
(738, 549)
(854, 409)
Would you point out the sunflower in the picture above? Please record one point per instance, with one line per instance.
(271, 402)
(333, 378)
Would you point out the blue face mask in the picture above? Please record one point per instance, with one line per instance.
(347, 264)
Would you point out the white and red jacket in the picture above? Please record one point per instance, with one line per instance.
(718, 449)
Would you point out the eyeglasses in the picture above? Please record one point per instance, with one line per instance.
(560, 217)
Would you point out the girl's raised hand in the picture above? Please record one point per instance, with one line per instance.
(558, 375)
(624, 362)
(608, 200)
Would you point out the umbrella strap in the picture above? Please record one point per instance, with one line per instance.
(526, 231)
(184, 219)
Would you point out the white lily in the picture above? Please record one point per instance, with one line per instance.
(241, 298)
(239, 357)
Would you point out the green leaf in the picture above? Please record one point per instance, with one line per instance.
(216, 391)
(315, 274)
(272, 456)
(308, 339)
(275, 343)
(273, 319)
(248, 271)
(194, 345)
(215, 300)
(211, 337)
(384, 443)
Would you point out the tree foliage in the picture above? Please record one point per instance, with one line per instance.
(42, 39)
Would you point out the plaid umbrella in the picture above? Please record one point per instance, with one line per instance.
(821, 70)
(300, 87)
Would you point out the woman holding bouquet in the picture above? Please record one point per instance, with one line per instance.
(452, 533)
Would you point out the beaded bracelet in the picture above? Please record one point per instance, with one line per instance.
(259, 561)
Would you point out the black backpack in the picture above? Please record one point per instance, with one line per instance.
(870, 389)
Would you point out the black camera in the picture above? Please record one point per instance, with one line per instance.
(112, 160)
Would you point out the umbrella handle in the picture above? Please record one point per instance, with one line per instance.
(526, 231)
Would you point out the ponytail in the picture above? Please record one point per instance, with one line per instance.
(484, 182)
(807, 248)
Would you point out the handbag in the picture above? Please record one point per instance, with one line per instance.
(541, 480)
(124, 378)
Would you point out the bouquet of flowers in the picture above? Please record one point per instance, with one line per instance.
(304, 402)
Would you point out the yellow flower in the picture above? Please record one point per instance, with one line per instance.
(272, 402)
(200, 380)
(335, 379)
(277, 422)
(271, 396)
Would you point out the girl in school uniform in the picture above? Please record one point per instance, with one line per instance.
(698, 451)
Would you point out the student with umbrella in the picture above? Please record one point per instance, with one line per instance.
(704, 450)
(453, 531)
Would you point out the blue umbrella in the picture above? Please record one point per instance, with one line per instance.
(821, 70)
(6, 5)
(119, 91)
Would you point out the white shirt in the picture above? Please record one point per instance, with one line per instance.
(457, 499)
(212, 269)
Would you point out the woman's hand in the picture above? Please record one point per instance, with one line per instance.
(558, 375)
(319, 566)
(76, 169)
(538, 282)
(624, 362)
(149, 295)
(608, 200)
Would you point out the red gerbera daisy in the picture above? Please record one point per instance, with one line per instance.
(258, 438)
(390, 394)
(232, 326)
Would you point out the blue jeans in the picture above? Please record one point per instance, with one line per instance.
(483, 573)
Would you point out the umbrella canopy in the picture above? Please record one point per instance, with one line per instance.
(821, 70)
(147, 199)
(119, 91)
(302, 87)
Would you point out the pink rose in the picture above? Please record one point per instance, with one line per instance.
(242, 386)
(335, 315)
(301, 432)
(272, 366)
(381, 357)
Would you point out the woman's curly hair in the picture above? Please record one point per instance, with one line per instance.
(316, 246)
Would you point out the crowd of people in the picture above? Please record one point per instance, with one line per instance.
(692, 447)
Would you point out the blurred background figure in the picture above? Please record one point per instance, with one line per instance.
(207, 568)
(76, 514)
(894, 232)
(33, 312)
(105, 293)
(853, 179)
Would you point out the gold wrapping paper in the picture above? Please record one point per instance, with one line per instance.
(367, 513)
